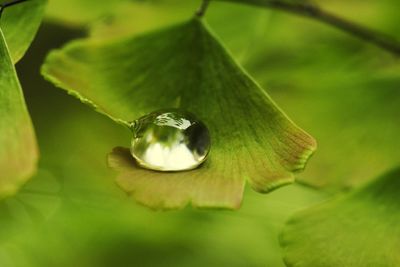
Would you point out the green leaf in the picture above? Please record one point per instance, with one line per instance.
(134, 17)
(115, 18)
(350, 106)
(20, 24)
(265, 2)
(18, 153)
(261, 2)
(359, 229)
(185, 66)
(77, 13)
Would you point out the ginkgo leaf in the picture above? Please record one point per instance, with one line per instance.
(185, 66)
(18, 153)
(19, 24)
(359, 229)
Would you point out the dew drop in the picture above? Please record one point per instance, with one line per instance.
(170, 140)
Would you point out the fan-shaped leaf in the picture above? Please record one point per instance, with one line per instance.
(185, 66)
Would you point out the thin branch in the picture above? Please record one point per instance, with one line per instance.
(8, 4)
(203, 8)
(312, 11)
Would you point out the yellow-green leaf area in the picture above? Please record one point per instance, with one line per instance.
(19, 24)
(186, 67)
(360, 229)
(18, 153)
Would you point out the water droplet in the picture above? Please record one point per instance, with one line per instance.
(170, 140)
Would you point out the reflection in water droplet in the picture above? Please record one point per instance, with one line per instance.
(170, 140)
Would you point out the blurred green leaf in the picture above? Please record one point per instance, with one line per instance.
(134, 17)
(77, 13)
(18, 153)
(19, 24)
(349, 106)
(252, 138)
(358, 229)
(263, 2)
(114, 18)
(310, 10)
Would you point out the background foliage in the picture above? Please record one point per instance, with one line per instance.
(341, 90)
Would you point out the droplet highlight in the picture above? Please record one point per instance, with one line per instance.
(170, 140)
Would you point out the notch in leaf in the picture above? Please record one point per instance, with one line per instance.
(185, 66)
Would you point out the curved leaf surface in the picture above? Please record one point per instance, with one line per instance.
(185, 66)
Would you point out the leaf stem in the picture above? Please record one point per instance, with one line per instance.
(203, 8)
(313, 11)
(8, 4)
